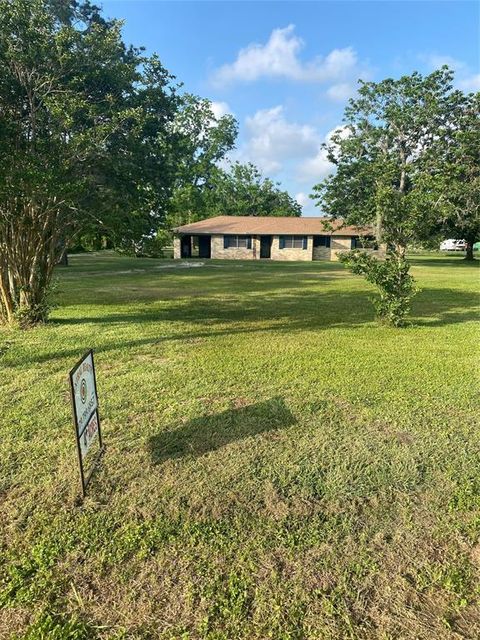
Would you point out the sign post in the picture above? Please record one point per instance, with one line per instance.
(86, 421)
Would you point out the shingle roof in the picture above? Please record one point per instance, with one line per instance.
(269, 225)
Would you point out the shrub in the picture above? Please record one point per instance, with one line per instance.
(392, 278)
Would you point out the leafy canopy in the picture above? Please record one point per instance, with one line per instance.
(388, 158)
(381, 152)
(243, 191)
(85, 140)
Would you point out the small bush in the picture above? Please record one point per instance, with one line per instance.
(391, 276)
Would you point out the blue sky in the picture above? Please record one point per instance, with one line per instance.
(286, 69)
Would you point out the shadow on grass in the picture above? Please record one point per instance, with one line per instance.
(454, 261)
(210, 432)
(303, 310)
(298, 310)
(441, 307)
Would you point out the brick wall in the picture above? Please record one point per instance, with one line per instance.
(344, 243)
(321, 253)
(176, 247)
(291, 254)
(219, 252)
(339, 244)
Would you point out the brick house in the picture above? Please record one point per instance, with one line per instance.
(274, 238)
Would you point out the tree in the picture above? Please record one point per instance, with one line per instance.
(85, 142)
(243, 191)
(381, 154)
(453, 173)
(201, 143)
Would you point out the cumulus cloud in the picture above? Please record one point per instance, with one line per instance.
(279, 57)
(272, 142)
(220, 109)
(271, 139)
(342, 91)
(435, 61)
(316, 168)
(470, 83)
(319, 166)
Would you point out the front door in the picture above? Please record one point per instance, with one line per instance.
(265, 246)
(204, 250)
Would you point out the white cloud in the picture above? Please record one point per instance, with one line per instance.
(470, 83)
(279, 57)
(435, 61)
(272, 139)
(272, 142)
(464, 79)
(341, 92)
(319, 166)
(220, 109)
(303, 199)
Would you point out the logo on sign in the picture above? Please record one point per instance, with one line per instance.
(83, 391)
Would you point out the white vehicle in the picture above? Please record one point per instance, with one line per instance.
(453, 245)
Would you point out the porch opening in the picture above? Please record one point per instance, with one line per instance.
(265, 246)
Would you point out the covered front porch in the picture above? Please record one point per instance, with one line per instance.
(193, 246)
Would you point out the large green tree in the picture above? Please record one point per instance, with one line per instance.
(202, 142)
(381, 156)
(206, 183)
(451, 179)
(243, 191)
(86, 141)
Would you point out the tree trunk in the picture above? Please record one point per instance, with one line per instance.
(64, 258)
(29, 250)
(469, 251)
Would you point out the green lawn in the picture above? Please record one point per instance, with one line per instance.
(277, 466)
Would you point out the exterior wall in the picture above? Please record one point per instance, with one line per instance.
(321, 253)
(219, 252)
(256, 247)
(339, 244)
(176, 247)
(344, 243)
(291, 254)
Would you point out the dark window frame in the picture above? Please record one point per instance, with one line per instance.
(232, 241)
(364, 242)
(302, 242)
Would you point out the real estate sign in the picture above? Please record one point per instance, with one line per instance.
(83, 392)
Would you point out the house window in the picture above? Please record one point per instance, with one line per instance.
(237, 242)
(321, 241)
(364, 242)
(292, 242)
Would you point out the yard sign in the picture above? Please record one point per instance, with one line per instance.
(83, 392)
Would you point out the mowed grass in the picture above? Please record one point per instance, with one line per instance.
(277, 465)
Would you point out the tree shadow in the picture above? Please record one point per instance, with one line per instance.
(454, 261)
(440, 307)
(289, 311)
(211, 432)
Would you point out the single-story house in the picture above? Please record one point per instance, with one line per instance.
(268, 237)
